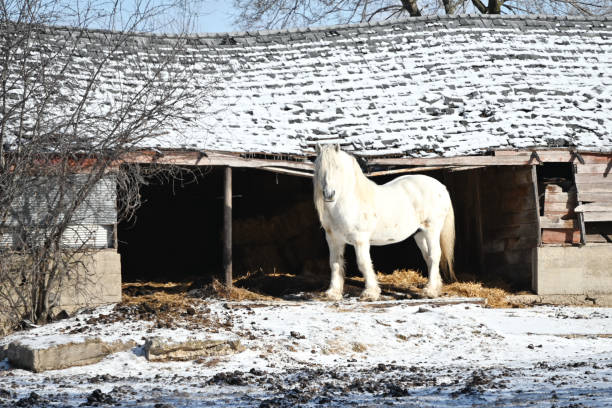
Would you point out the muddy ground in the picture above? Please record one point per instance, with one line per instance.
(312, 353)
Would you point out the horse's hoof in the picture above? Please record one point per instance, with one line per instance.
(371, 294)
(333, 295)
(431, 292)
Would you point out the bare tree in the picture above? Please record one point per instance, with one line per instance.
(74, 103)
(257, 14)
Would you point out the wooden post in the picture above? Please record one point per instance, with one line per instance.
(227, 227)
(536, 197)
(534, 251)
(579, 215)
(478, 220)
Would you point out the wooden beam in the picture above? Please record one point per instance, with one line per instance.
(594, 178)
(594, 187)
(597, 197)
(600, 168)
(555, 222)
(287, 172)
(180, 158)
(559, 156)
(227, 227)
(405, 170)
(560, 236)
(456, 161)
(579, 216)
(597, 216)
(593, 207)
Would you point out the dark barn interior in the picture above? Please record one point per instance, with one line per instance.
(176, 234)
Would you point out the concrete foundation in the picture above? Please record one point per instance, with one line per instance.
(100, 282)
(97, 282)
(573, 270)
(56, 357)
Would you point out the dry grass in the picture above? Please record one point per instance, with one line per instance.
(218, 289)
(271, 286)
(170, 293)
(411, 281)
(496, 297)
(402, 279)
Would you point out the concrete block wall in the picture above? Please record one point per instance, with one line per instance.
(100, 284)
(574, 270)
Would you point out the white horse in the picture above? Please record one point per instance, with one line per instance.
(355, 210)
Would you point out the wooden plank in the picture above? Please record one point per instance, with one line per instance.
(507, 257)
(603, 187)
(593, 207)
(559, 156)
(510, 243)
(597, 238)
(566, 215)
(555, 194)
(211, 159)
(562, 206)
(597, 197)
(599, 168)
(515, 218)
(455, 161)
(593, 178)
(550, 236)
(597, 216)
(406, 170)
(554, 222)
(560, 198)
(287, 172)
(500, 232)
(227, 228)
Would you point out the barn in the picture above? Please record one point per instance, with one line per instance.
(512, 113)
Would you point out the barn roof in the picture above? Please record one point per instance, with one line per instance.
(419, 87)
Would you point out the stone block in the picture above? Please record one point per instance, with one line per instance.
(59, 356)
(572, 270)
(161, 349)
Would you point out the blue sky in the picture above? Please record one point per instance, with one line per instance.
(215, 16)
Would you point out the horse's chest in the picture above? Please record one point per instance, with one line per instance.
(348, 221)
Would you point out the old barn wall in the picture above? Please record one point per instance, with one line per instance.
(91, 224)
(510, 222)
(496, 222)
(574, 270)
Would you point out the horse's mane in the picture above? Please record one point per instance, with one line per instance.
(362, 183)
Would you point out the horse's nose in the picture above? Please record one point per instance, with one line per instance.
(329, 195)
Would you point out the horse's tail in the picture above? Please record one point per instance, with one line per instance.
(447, 244)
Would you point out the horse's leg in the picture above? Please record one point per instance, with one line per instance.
(362, 251)
(429, 244)
(336, 263)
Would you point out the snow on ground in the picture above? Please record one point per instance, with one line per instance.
(347, 353)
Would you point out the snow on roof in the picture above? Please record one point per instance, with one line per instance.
(419, 87)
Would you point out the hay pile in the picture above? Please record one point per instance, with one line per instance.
(496, 297)
(260, 285)
(412, 282)
(284, 242)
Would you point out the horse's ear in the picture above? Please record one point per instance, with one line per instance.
(337, 147)
(318, 148)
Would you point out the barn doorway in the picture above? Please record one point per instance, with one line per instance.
(176, 234)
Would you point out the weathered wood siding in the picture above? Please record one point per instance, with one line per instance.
(559, 222)
(594, 185)
(509, 222)
(91, 224)
(496, 221)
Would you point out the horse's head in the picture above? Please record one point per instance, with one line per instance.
(330, 170)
